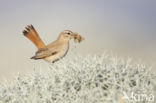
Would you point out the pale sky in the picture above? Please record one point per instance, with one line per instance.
(125, 26)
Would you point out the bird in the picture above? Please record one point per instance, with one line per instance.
(53, 51)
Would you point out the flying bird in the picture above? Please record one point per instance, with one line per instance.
(53, 51)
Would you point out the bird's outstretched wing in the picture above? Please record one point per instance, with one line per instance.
(33, 36)
(43, 53)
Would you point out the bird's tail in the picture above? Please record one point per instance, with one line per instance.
(33, 36)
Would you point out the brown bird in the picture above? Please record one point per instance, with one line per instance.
(53, 51)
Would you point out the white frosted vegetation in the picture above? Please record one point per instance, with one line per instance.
(90, 79)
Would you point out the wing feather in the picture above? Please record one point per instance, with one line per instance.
(43, 53)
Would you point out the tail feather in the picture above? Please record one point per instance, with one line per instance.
(33, 36)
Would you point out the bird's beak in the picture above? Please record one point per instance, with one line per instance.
(77, 37)
(73, 35)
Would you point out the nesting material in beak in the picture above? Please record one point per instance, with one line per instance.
(77, 38)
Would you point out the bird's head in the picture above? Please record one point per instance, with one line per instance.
(67, 35)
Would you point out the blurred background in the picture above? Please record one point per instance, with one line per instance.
(126, 27)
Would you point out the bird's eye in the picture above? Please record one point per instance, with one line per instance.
(68, 33)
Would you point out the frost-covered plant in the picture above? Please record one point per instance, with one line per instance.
(77, 79)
